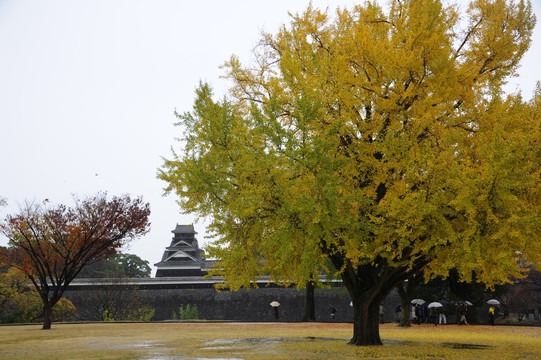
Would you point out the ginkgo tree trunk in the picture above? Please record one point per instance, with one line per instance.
(51, 244)
(377, 139)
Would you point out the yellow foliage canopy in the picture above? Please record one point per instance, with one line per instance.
(379, 140)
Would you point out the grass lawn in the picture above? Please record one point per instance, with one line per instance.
(181, 340)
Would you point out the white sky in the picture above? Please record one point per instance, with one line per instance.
(88, 90)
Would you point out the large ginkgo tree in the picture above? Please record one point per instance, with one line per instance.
(377, 139)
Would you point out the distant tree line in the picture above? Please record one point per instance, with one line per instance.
(118, 265)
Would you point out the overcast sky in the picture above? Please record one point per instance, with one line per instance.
(88, 90)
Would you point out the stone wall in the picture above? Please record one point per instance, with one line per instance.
(242, 305)
(249, 305)
(166, 296)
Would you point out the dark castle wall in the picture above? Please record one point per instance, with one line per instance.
(166, 297)
(185, 272)
(243, 305)
(249, 305)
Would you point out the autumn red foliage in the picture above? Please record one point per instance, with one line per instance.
(52, 243)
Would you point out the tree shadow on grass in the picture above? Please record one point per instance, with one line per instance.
(394, 342)
(225, 343)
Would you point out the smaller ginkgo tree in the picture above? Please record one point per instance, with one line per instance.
(52, 243)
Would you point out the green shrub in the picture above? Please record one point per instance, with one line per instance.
(188, 313)
(194, 314)
(64, 310)
(107, 316)
(143, 313)
(181, 314)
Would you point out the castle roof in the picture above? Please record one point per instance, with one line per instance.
(184, 229)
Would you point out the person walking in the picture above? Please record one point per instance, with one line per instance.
(276, 313)
(491, 314)
(418, 314)
(442, 317)
(463, 311)
(381, 313)
(433, 319)
(333, 313)
(413, 313)
(397, 313)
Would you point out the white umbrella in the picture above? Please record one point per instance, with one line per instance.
(418, 301)
(493, 302)
(435, 304)
(275, 304)
(464, 302)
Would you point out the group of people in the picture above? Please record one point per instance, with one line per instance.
(433, 315)
(436, 315)
(419, 314)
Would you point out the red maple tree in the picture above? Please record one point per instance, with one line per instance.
(51, 244)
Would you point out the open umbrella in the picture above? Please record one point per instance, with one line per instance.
(443, 302)
(434, 304)
(275, 304)
(418, 301)
(493, 302)
(464, 302)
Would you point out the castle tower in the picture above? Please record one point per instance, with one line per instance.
(183, 257)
